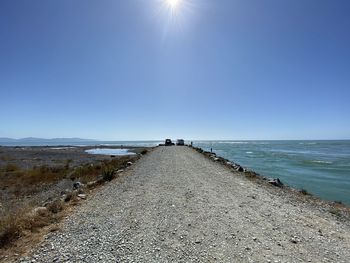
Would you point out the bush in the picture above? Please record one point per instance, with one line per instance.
(144, 152)
(55, 207)
(11, 167)
(108, 173)
(10, 230)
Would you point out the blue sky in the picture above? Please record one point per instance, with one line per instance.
(224, 69)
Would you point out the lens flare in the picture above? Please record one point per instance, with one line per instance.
(173, 3)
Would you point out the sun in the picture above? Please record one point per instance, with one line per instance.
(173, 3)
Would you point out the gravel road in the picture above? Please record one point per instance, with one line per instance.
(175, 205)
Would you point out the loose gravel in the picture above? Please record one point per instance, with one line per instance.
(175, 205)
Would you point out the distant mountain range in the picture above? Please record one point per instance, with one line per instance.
(41, 140)
(31, 141)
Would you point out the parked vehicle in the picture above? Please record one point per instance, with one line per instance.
(180, 142)
(168, 142)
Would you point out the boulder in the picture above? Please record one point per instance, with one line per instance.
(77, 185)
(129, 163)
(276, 182)
(239, 168)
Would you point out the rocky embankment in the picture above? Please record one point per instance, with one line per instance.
(176, 205)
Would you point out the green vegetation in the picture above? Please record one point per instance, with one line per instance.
(108, 173)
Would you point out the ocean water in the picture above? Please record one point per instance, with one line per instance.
(320, 167)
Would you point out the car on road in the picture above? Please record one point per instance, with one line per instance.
(168, 142)
(180, 142)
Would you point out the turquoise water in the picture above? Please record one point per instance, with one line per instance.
(320, 167)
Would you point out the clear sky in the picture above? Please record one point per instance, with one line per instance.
(205, 69)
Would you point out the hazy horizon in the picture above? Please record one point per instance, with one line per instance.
(140, 70)
(187, 139)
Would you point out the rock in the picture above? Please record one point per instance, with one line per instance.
(276, 182)
(239, 168)
(129, 163)
(77, 185)
(120, 171)
(295, 240)
(82, 196)
(216, 159)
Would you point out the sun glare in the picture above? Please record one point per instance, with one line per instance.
(173, 3)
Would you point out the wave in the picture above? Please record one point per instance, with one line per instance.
(319, 161)
(233, 142)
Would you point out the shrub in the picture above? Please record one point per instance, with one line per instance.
(55, 207)
(11, 167)
(108, 173)
(10, 229)
(144, 152)
(68, 197)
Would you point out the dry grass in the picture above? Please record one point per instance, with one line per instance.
(10, 167)
(22, 221)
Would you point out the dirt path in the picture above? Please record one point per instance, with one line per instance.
(175, 205)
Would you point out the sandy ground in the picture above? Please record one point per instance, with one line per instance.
(175, 205)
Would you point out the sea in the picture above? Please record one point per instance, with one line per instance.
(322, 168)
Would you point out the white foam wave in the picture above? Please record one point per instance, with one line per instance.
(318, 161)
(62, 148)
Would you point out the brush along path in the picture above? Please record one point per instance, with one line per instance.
(175, 205)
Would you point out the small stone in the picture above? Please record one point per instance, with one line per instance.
(294, 240)
(82, 196)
